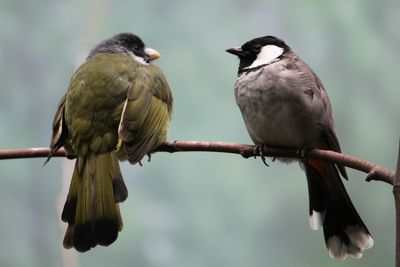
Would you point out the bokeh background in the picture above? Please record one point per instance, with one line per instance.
(198, 209)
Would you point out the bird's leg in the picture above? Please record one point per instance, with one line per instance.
(149, 157)
(261, 149)
(69, 155)
(302, 151)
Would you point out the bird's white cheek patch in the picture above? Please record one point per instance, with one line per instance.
(268, 54)
(138, 59)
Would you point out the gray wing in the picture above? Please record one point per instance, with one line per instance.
(321, 108)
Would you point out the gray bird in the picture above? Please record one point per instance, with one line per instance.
(284, 104)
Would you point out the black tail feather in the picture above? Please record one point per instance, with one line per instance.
(344, 231)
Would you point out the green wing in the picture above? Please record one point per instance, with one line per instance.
(94, 103)
(59, 128)
(146, 114)
(60, 131)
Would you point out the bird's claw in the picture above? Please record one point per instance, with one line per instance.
(261, 150)
(302, 152)
(70, 156)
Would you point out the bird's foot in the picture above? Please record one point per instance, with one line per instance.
(262, 150)
(302, 151)
(69, 155)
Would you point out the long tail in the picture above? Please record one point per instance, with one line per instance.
(92, 209)
(330, 206)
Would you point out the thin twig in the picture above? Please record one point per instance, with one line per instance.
(375, 172)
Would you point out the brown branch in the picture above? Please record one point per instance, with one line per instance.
(36, 152)
(374, 171)
(396, 193)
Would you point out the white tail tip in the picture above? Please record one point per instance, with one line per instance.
(317, 219)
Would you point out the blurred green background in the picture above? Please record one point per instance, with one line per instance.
(198, 209)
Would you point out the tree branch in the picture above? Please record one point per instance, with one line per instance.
(396, 193)
(374, 171)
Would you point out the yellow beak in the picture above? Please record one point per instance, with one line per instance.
(152, 53)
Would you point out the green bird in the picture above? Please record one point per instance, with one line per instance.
(118, 106)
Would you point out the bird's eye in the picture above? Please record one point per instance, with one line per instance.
(257, 48)
(136, 48)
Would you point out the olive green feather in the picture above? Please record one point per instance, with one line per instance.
(146, 114)
(114, 108)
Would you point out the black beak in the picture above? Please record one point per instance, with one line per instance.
(237, 51)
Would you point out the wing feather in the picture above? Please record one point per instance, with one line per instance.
(145, 117)
(60, 130)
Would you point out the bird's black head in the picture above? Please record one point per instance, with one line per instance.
(259, 52)
(128, 44)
